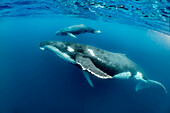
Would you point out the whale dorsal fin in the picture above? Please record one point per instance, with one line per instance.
(87, 65)
(86, 75)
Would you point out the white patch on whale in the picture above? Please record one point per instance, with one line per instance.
(60, 54)
(98, 31)
(139, 76)
(42, 48)
(124, 75)
(91, 52)
(70, 49)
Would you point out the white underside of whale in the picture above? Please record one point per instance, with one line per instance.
(124, 75)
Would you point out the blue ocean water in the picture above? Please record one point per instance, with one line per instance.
(36, 81)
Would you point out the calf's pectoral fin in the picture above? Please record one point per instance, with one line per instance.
(70, 34)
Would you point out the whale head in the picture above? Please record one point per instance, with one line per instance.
(58, 33)
(64, 50)
(58, 45)
(61, 32)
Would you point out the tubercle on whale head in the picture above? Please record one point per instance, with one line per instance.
(42, 44)
(57, 44)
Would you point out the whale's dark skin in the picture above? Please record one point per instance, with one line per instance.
(99, 62)
(108, 62)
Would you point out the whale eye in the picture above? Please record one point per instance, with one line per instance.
(70, 49)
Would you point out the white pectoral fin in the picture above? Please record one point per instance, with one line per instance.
(86, 75)
(87, 65)
(70, 34)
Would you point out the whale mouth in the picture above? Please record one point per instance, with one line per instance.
(44, 44)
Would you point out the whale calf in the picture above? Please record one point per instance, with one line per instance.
(75, 30)
(100, 63)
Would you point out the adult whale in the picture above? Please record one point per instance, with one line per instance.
(100, 63)
(75, 30)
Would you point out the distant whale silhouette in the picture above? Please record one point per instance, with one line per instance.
(100, 63)
(75, 30)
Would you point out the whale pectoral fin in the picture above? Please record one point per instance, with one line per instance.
(86, 75)
(70, 34)
(87, 64)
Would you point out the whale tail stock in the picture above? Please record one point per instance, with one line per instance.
(149, 83)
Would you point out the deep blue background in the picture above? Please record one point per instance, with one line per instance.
(35, 81)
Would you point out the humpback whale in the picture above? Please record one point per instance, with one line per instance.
(75, 30)
(100, 63)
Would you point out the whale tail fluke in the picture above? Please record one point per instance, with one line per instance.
(149, 83)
